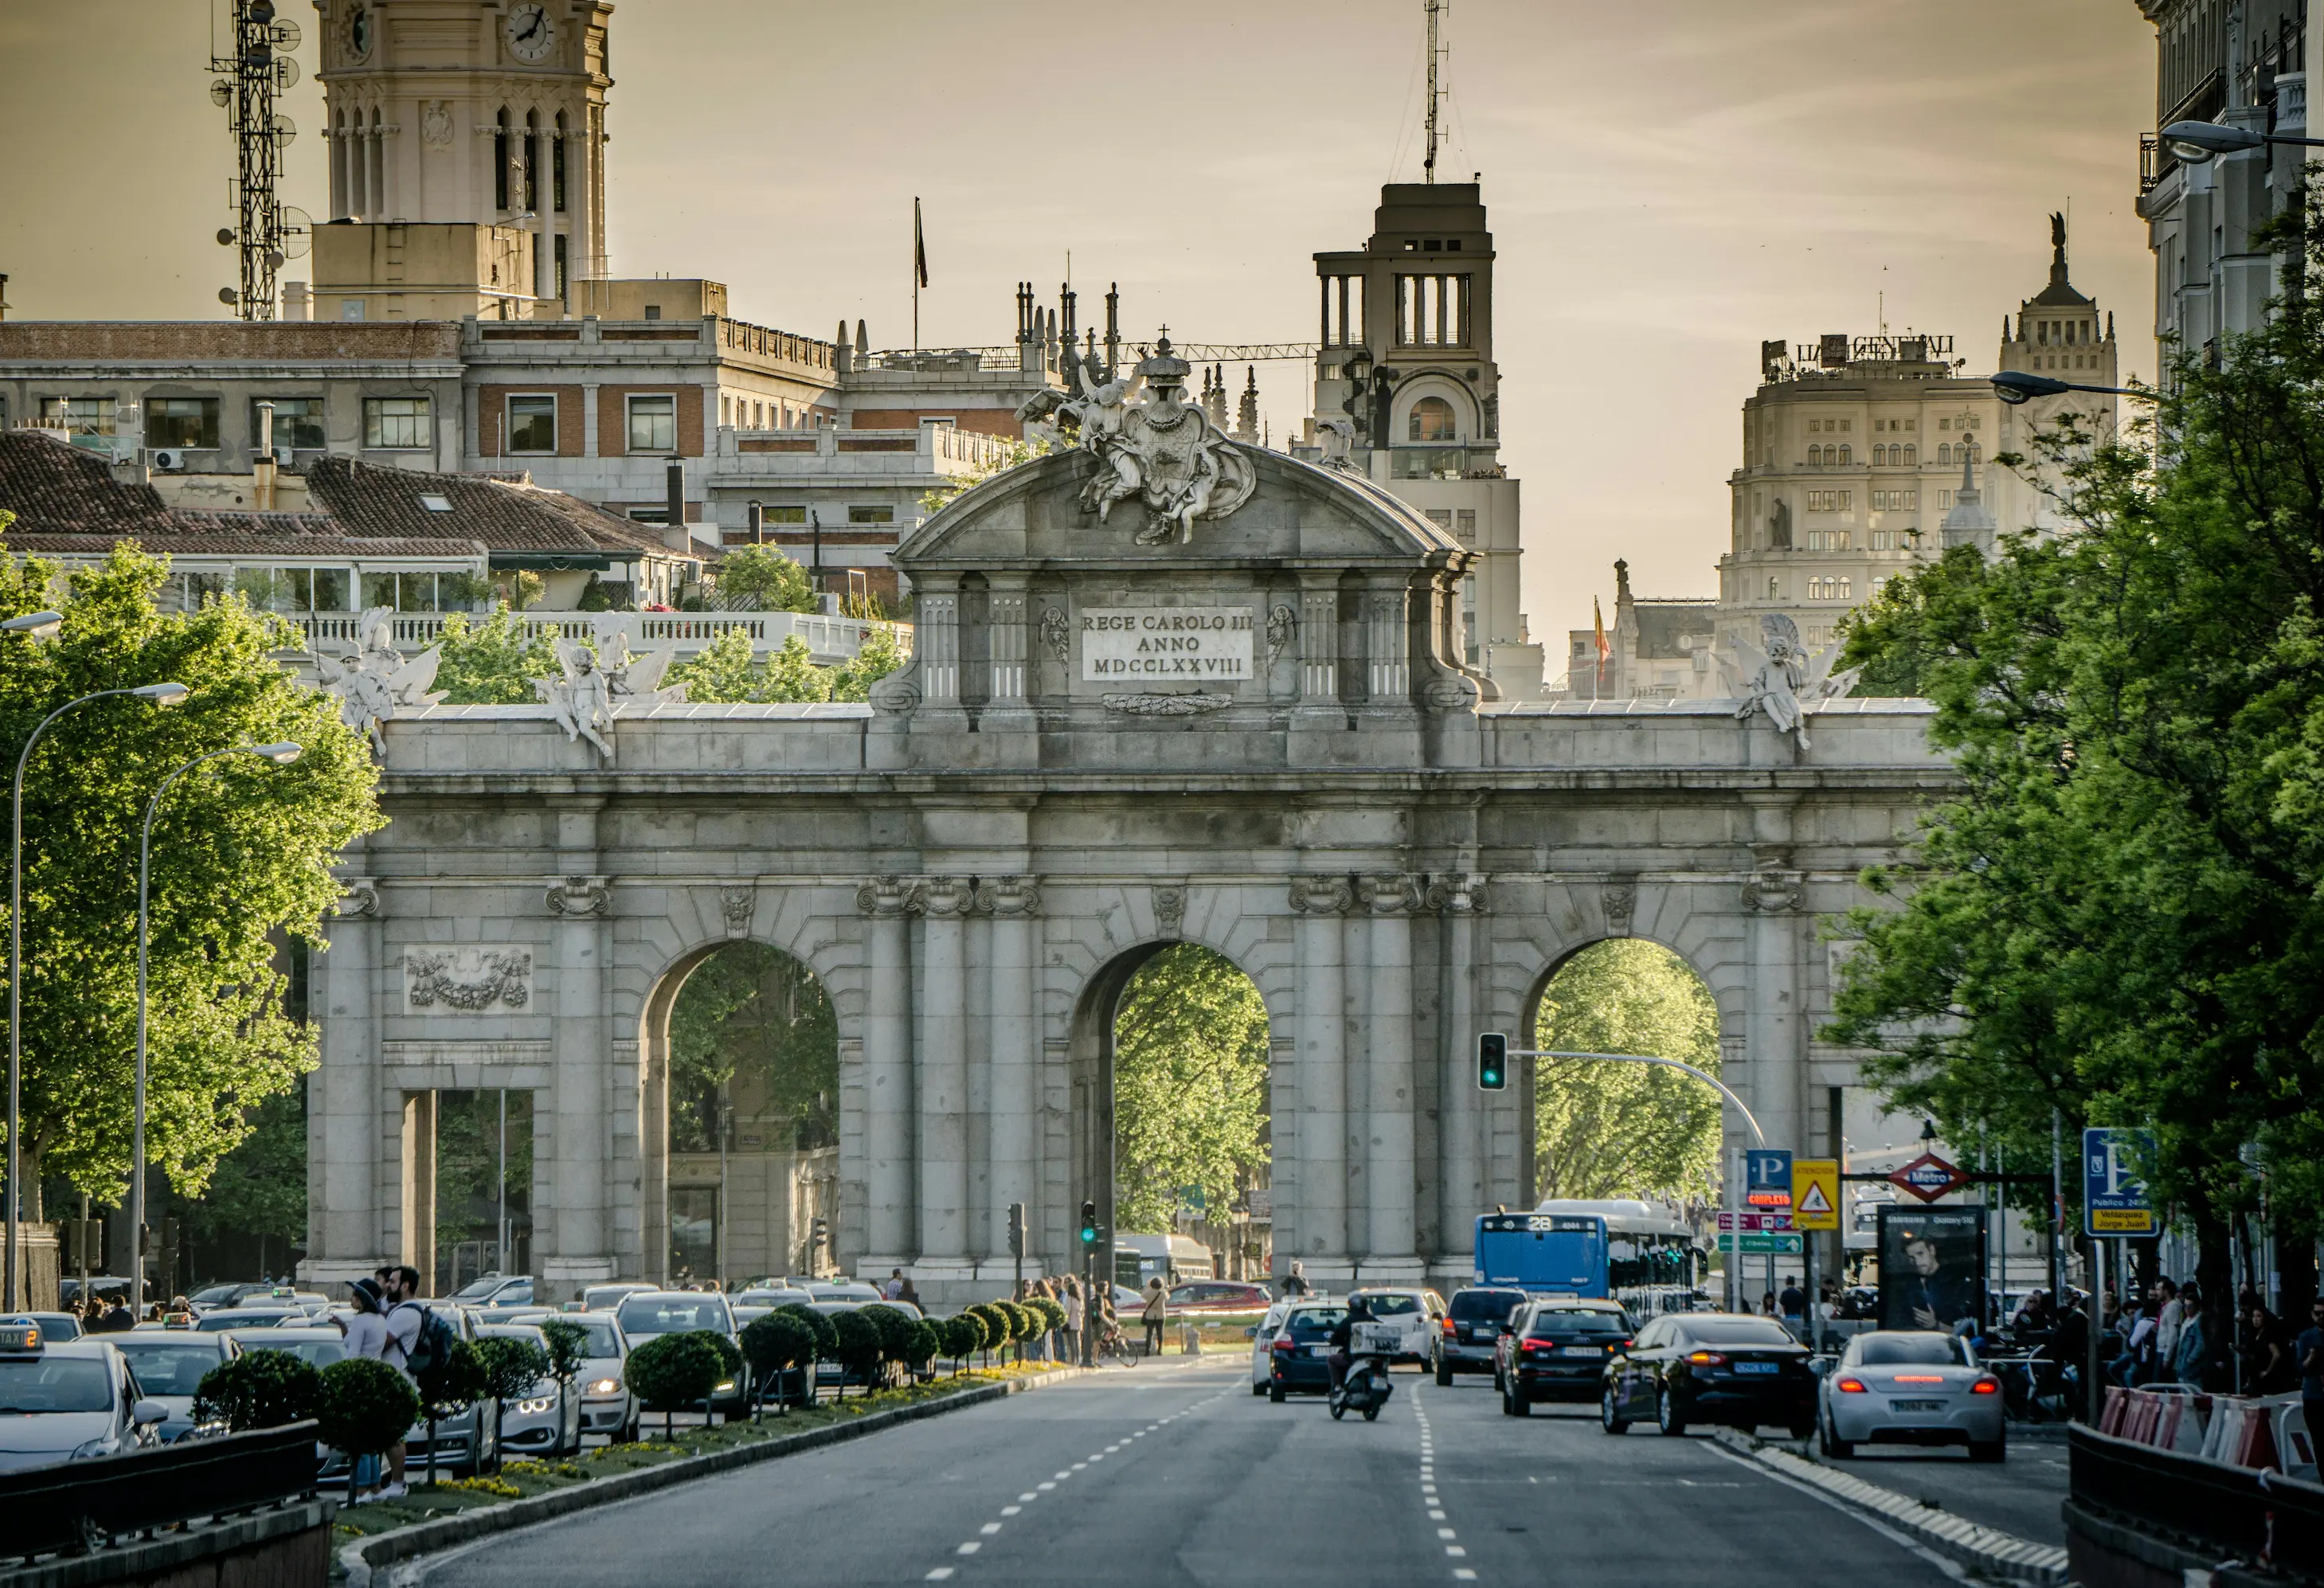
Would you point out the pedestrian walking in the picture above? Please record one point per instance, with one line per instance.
(893, 1291)
(1794, 1300)
(2192, 1351)
(368, 1334)
(906, 1291)
(2266, 1352)
(1073, 1304)
(1155, 1313)
(2308, 1357)
(1295, 1287)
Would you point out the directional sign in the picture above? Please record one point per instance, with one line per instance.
(1767, 1176)
(1788, 1245)
(1756, 1224)
(1816, 1194)
(2115, 1199)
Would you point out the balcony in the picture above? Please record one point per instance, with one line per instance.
(830, 642)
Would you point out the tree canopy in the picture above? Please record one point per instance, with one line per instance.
(760, 579)
(725, 672)
(753, 1018)
(2119, 916)
(242, 849)
(1625, 1130)
(1189, 1084)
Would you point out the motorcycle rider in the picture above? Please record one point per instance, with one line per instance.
(1342, 1340)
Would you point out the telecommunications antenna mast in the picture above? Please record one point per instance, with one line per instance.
(1428, 166)
(247, 80)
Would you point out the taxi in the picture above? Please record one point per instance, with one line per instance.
(72, 1400)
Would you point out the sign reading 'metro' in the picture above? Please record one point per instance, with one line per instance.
(1156, 644)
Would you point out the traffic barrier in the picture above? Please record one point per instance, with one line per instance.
(2241, 1434)
(2117, 1406)
(2294, 1440)
(2138, 1423)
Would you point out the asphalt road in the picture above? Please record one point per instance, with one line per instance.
(2023, 1496)
(1177, 1475)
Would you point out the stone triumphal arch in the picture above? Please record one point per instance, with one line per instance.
(1165, 689)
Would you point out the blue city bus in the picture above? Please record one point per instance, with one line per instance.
(1620, 1251)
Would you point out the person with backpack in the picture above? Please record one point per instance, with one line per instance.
(368, 1334)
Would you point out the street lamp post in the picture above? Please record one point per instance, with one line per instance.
(1731, 1178)
(2199, 142)
(2015, 386)
(37, 623)
(281, 755)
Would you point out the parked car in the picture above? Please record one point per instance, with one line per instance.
(1219, 1296)
(1695, 1367)
(322, 1345)
(546, 1420)
(495, 1290)
(239, 1318)
(1418, 1316)
(607, 1407)
(1469, 1336)
(766, 1297)
(842, 1290)
(1262, 1346)
(1910, 1387)
(70, 1400)
(1295, 1357)
(210, 1297)
(169, 1366)
(649, 1312)
(606, 1298)
(1555, 1348)
(56, 1328)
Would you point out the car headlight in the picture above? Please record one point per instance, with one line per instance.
(724, 1387)
(538, 1404)
(93, 1448)
(606, 1386)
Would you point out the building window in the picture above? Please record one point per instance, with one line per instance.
(1464, 523)
(653, 423)
(1896, 501)
(396, 424)
(785, 515)
(1912, 456)
(1815, 458)
(297, 423)
(80, 417)
(532, 424)
(556, 168)
(1431, 420)
(871, 515)
(1831, 501)
(293, 590)
(1829, 587)
(182, 421)
(1829, 539)
(417, 592)
(500, 160)
(1843, 457)
(1775, 590)
(1944, 452)
(1432, 312)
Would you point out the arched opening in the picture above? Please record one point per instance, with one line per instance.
(753, 1120)
(1172, 1138)
(1431, 419)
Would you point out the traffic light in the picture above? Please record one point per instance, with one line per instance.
(1492, 1061)
(1016, 1229)
(819, 1232)
(1089, 1224)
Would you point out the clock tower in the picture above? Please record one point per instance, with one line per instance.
(488, 112)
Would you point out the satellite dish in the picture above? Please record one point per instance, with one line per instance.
(294, 231)
(286, 72)
(285, 129)
(287, 34)
(226, 236)
(221, 92)
(274, 258)
(228, 296)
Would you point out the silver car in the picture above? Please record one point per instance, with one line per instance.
(546, 1420)
(169, 1365)
(1910, 1387)
(75, 1400)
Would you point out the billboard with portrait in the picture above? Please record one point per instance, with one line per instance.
(1931, 1267)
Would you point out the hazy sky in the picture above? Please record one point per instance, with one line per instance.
(1669, 181)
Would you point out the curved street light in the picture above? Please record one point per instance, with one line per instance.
(2198, 142)
(167, 694)
(2015, 386)
(282, 754)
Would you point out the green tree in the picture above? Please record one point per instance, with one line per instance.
(241, 850)
(259, 1188)
(760, 579)
(1625, 1130)
(725, 672)
(258, 1389)
(1189, 1084)
(493, 663)
(881, 655)
(1013, 454)
(755, 1022)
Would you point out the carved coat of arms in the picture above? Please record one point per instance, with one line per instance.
(1164, 453)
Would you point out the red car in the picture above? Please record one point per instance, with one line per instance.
(1218, 1295)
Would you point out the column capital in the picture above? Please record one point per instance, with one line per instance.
(1324, 895)
(361, 898)
(885, 896)
(580, 896)
(1457, 893)
(1388, 893)
(1774, 892)
(1008, 896)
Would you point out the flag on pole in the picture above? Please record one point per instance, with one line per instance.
(919, 246)
(1604, 650)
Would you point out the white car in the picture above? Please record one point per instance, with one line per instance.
(73, 1402)
(546, 1420)
(1418, 1314)
(1910, 1387)
(1262, 1342)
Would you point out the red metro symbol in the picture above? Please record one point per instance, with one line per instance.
(1928, 1178)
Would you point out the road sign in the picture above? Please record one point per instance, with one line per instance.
(1928, 1178)
(2115, 1200)
(1770, 1222)
(1816, 1194)
(1767, 1176)
(1787, 1245)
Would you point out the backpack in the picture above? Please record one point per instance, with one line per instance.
(433, 1344)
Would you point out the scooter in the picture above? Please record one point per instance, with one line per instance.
(1365, 1388)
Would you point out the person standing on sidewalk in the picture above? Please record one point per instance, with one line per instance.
(2308, 1356)
(368, 1335)
(1155, 1313)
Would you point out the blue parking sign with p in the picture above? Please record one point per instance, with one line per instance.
(2115, 1199)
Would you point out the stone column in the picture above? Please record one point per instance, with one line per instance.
(888, 1073)
(1006, 709)
(345, 1184)
(1775, 1036)
(1318, 640)
(417, 1246)
(580, 155)
(936, 644)
(1461, 1181)
(1014, 1046)
(1388, 644)
(1391, 898)
(576, 1234)
(942, 1070)
(544, 256)
(1322, 903)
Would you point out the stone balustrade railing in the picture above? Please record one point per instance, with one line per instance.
(830, 640)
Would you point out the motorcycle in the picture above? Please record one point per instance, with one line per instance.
(1364, 1387)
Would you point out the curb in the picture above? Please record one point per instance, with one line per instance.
(365, 1556)
(1988, 1551)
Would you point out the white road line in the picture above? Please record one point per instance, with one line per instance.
(1012, 1510)
(938, 1576)
(971, 1548)
(1463, 1574)
(990, 1528)
(1047, 1486)
(1951, 1568)
(1454, 1549)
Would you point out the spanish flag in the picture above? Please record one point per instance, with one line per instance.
(1605, 650)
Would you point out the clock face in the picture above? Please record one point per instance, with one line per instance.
(531, 34)
(359, 31)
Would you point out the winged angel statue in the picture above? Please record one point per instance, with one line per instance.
(1782, 680)
(581, 697)
(1166, 453)
(376, 679)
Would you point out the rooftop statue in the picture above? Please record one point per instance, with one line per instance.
(1782, 679)
(376, 679)
(581, 698)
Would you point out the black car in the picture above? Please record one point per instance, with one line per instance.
(1472, 1324)
(1295, 1364)
(1556, 1349)
(1704, 1367)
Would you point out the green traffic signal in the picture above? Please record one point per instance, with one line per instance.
(1492, 1061)
(1089, 1224)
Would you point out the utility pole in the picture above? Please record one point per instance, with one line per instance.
(245, 89)
(1428, 166)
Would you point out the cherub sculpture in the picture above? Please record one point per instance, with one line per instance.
(1782, 680)
(581, 700)
(376, 679)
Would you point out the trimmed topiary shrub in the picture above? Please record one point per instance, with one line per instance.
(362, 1406)
(569, 1348)
(1023, 1324)
(1052, 1311)
(774, 1345)
(996, 1325)
(927, 1344)
(827, 1337)
(260, 1389)
(449, 1388)
(895, 1326)
(512, 1367)
(858, 1351)
(674, 1372)
(963, 1338)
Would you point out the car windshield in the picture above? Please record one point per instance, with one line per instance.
(477, 1289)
(1917, 1350)
(1577, 1320)
(1739, 1332)
(34, 1386)
(671, 1315)
(322, 1353)
(213, 1295)
(1313, 1322)
(1392, 1307)
(1476, 1306)
(169, 1366)
(602, 1340)
(244, 1317)
(57, 1327)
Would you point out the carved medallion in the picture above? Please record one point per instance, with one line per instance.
(468, 980)
(1169, 908)
(1166, 705)
(1774, 892)
(735, 903)
(580, 896)
(1618, 897)
(1282, 623)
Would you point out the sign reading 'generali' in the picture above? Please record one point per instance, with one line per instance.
(1166, 644)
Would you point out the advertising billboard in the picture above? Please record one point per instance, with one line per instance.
(1931, 1267)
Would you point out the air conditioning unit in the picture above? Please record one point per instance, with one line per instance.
(169, 459)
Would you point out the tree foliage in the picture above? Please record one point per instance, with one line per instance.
(363, 1406)
(259, 1188)
(760, 579)
(755, 1020)
(1606, 1129)
(259, 1389)
(494, 662)
(2119, 916)
(241, 850)
(1189, 1084)
(726, 672)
